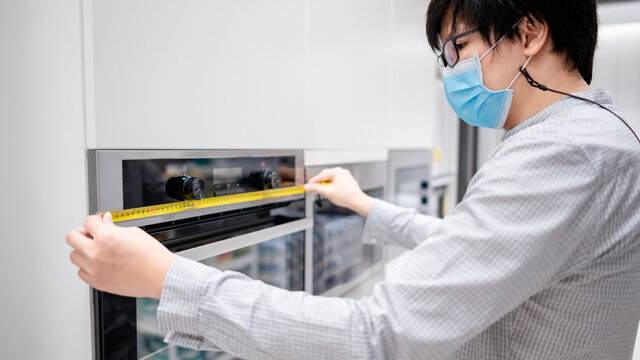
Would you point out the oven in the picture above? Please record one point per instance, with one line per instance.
(410, 186)
(409, 179)
(260, 224)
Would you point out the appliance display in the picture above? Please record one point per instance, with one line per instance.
(265, 238)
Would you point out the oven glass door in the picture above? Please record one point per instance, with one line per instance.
(125, 327)
(340, 259)
(279, 262)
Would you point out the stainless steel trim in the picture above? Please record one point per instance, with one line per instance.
(108, 169)
(206, 211)
(224, 246)
(308, 246)
(93, 185)
(93, 323)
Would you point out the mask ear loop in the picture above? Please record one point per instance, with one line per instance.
(499, 40)
(492, 47)
(519, 72)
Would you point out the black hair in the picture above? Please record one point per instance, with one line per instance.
(573, 24)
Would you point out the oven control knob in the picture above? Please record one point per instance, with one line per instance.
(264, 179)
(185, 188)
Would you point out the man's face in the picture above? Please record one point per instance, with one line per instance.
(499, 66)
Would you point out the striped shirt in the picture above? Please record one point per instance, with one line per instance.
(540, 260)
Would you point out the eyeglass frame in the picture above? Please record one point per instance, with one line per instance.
(453, 40)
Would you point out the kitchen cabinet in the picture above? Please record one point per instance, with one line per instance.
(195, 74)
(412, 78)
(347, 74)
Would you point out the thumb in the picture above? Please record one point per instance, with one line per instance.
(317, 188)
(107, 218)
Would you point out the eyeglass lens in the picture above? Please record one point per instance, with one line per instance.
(449, 53)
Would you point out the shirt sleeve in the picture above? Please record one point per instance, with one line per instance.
(388, 224)
(525, 219)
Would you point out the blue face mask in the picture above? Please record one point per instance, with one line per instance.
(471, 100)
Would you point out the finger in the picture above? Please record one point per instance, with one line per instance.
(324, 175)
(78, 240)
(85, 277)
(320, 189)
(84, 232)
(80, 260)
(94, 225)
(107, 218)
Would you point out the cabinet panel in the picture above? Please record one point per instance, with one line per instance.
(347, 73)
(195, 74)
(412, 77)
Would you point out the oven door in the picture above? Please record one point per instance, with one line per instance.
(125, 328)
(340, 261)
(264, 238)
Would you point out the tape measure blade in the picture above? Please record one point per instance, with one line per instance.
(170, 208)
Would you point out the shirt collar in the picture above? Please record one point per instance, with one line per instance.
(561, 106)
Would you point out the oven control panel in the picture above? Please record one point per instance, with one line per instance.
(160, 181)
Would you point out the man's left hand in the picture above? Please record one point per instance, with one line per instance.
(119, 260)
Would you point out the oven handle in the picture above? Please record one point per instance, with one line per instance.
(234, 243)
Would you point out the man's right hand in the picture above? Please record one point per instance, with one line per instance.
(343, 190)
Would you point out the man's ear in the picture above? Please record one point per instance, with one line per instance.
(533, 35)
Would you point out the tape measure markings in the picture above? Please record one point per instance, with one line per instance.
(163, 209)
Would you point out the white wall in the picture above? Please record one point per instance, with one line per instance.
(44, 307)
(616, 67)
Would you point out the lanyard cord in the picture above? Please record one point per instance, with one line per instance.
(536, 84)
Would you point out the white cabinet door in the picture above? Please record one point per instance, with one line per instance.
(195, 74)
(347, 74)
(412, 77)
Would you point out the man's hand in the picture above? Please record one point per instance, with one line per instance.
(124, 261)
(343, 191)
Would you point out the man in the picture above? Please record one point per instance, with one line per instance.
(540, 260)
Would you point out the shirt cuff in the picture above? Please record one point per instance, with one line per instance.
(183, 291)
(376, 228)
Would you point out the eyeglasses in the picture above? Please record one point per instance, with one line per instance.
(449, 56)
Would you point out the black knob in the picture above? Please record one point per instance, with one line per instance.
(264, 179)
(424, 185)
(185, 188)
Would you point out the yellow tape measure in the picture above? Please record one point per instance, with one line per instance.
(170, 208)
